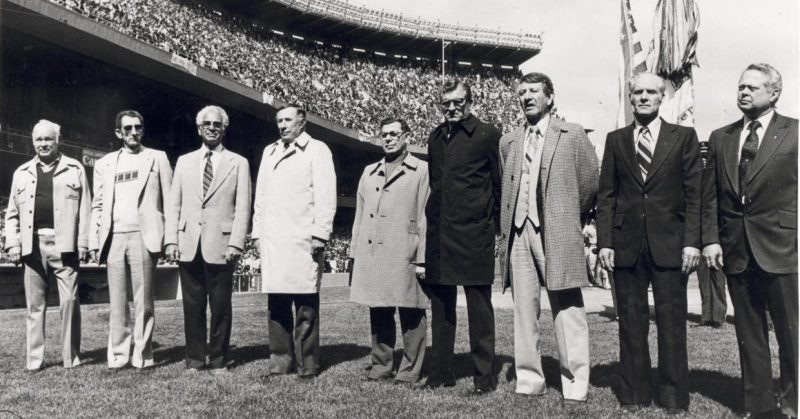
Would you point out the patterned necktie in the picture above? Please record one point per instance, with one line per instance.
(208, 173)
(749, 150)
(644, 151)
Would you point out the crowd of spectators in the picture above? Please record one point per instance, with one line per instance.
(352, 88)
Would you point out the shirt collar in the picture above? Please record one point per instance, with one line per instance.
(468, 125)
(763, 119)
(39, 162)
(653, 126)
(543, 124)
(218, 149)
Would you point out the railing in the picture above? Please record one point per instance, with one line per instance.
(363, 16)
(243, 283)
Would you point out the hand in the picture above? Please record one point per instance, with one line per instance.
(606, 257)
(317, 246)
(232, 255)
(171, 252)
(83, 254)
(93, 256)
(713, 256)
(14, 254)
(420, 271)
(690, 257)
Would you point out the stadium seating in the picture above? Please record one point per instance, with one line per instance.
(355, 89)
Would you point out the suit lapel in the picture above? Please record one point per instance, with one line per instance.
(730, 153)
(111, 175)
(627, 147)
(664, 145)
(144, 171)
(548, 151)
(220, 173)
(197, 170)
(773, 137)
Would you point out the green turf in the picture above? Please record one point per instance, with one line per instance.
(92, 391)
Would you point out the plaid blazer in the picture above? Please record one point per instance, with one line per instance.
(568, 181)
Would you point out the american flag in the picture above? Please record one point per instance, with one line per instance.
(671, 54)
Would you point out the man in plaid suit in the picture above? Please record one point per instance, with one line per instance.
(549, 172)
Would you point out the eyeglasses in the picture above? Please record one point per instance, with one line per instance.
(215, 124)
(393, 134)
(129, 128)
(457, 103)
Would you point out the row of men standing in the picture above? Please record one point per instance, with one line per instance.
(200, 217)
(650, 187)
(656, 210)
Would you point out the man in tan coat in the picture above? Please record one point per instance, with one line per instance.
(388, 250)
(549, 185)
(47, 228)
(207, 223)
(295, 203)
(127, 232)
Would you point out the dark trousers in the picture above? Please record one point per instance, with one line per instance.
(206, 284)
(753, 293)
(293, 337)
(414, 327)
(669, 295)
(481, 332)
(712, 293)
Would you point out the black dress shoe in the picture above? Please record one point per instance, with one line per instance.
(480, 391)
(763, 415)
(436, 382)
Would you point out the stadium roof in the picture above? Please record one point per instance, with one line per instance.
(375, 30)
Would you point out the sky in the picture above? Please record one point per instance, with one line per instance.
(581, 49)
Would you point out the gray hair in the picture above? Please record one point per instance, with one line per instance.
(212, 108)
(774, 80)
(662, 85)
(46, 126)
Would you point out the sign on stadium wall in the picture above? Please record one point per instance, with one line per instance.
(90, 156)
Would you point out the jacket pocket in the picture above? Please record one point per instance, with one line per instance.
(412, 227)
(787, 219)
(182, 225)
(225, 226)
(73, 191)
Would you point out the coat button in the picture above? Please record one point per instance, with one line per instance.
(377, 189)
(372, 216)
(645, 196)
(369, 241)
(203, 206)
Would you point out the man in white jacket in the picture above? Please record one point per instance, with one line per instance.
(295, 203)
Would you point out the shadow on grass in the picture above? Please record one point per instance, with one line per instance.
(721, 388)
(332, 355)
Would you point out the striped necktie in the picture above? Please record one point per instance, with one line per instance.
(208, 173)
(644, 151)
(749, 151)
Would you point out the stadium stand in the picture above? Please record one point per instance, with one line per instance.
(342, 85)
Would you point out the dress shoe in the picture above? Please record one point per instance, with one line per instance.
(572, 402)
(673, 411)
(33, 371)
(436, 382)
(631, 408)
(306, 377)
(481, 391)
(220, 371)
(770, 414)
(191, 371)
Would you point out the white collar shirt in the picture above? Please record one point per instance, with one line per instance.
(763, 120)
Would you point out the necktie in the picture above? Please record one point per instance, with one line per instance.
(749, 150)
(208, 173)
(644, 151)
(530, 176)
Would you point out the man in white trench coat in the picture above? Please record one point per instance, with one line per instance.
(388, 249)
(293, 216)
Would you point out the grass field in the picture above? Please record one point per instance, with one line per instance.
(92, 391)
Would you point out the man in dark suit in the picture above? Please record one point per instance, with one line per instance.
(750, 231)
(462, 212)
(648, 232)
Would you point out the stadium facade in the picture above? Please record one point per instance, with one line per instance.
(61, 65)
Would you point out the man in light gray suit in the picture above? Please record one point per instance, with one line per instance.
(207, 222)
(127, 233)
(549, 172)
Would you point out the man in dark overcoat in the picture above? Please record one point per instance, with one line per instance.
(462, 212)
